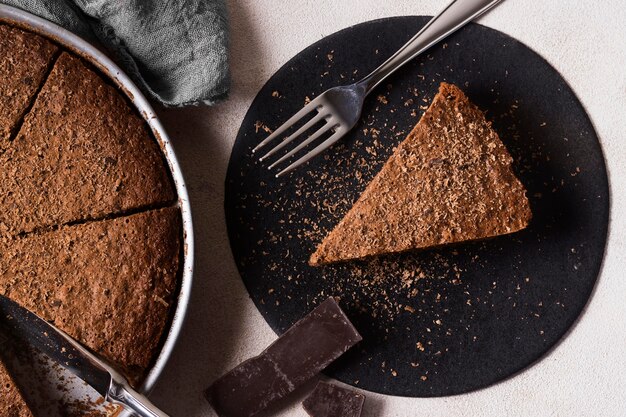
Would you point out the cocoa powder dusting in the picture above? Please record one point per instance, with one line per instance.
(89, 226)
(449, 181)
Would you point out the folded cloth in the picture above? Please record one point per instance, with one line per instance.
(176, 50)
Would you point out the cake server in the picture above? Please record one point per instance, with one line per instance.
(18, 324)
(338, 109)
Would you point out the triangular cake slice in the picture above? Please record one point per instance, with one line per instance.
(24, 62)
(110, 284)
(82, 153)
(449, 181)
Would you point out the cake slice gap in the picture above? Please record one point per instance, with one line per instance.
(449, 181)
(25, 59)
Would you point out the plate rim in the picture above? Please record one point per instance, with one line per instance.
(607, 185)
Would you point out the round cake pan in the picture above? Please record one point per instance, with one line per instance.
(95, 56)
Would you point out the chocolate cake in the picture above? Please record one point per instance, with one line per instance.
(121, 271)
(449, 181)
(24, 62)
(90, 229)
(82, 153)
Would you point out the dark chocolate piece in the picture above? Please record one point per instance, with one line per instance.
(302, 352)
(329, 400)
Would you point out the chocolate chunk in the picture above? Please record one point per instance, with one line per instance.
(328, 400)
(302, 352)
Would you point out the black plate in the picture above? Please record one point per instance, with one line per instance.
(482, 311)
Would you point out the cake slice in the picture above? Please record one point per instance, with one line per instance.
(81, 153)
(109, 284)
(11, 404)
(449, 181)
(24, 62)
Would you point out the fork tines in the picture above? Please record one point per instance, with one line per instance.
(322, 115)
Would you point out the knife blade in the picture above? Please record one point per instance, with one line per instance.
(19, 325)
(26, 328)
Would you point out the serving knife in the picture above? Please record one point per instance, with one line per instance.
(20, 325)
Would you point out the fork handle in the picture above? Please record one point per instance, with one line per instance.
(449, 20)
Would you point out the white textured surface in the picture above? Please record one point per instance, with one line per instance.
(584, 375)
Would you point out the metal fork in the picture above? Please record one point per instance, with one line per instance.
(340, 107)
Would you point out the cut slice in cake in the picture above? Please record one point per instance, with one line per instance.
(81, 153)
(110, 284)
(449, 181)
(24, 62)
(75, 160)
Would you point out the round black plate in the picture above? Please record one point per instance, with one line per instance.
(436, 322)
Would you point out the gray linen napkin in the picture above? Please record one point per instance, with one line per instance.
(176, 50)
